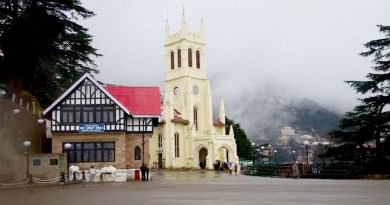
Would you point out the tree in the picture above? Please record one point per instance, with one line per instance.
(45, 50)
(369, 120)
(243, 144)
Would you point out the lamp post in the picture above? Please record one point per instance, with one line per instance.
(307, 143)
(275, 151)
(67, 147)
(253, 157)
(262, 150)
(293, 152)
(26, 145)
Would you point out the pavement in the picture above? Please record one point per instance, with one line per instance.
(206, 187)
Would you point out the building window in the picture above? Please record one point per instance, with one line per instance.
(179, 58)
(36, 162)
(197, 59)
(159, 141)
(189, 57)
(76, 114)
(81, 152)
(137, 153)
(172, 60)
(53, 162)
(196, 118)
(177, 145)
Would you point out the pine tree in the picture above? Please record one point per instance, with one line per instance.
(369, 121)
(243, 144)
(45, 50)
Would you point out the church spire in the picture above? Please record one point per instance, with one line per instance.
(183, 22)
(221, 111)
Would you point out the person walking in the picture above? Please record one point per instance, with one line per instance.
(295, 169)
(143, 172)
(230, 168)
(92, 174)
(147, 172)
(235, 168)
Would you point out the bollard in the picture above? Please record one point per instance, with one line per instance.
(63, 177)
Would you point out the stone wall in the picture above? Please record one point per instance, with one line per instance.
(15, 128)
(45, 169)
(141, 140)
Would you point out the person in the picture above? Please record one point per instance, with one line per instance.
(147, 172)
(295, 169)
(92, 174)
(235, 168)
(143, 172)
(230, 168)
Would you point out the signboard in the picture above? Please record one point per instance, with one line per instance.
(91, 127)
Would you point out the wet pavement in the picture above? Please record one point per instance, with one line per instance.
(207, 187)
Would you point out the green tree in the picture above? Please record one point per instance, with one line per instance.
(369, 120)
(45, 50)
(243, 144)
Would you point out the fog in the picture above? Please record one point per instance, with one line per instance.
(256, 50)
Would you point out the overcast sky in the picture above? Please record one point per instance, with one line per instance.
(303, 48)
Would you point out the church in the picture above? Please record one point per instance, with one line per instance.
(187, 135)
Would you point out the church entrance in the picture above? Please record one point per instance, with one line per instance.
(159, 160)
(223, 154)
(202, 158)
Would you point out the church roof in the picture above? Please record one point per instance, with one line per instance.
(140, 101)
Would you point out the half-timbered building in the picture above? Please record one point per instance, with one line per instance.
(106, 125)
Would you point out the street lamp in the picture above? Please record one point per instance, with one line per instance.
(262, 149)
(307, 143)
(40, 120)
(27, 144)
(67, 147)
(293, 152)
(275, 151)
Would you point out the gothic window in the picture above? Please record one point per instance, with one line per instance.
(137, 153)
(176, 144)
(196, 118)
(197, 59)
(172, 60)
(159, 140)
(179, 58)
(189, 57)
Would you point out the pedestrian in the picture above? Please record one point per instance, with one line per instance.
(143, 172)
(92, 174)
(147, 172)
(235, 168)
(230, 168)
(295, 169)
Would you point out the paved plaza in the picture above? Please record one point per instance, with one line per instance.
(207, 187)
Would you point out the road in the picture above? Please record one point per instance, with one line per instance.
(209, 187)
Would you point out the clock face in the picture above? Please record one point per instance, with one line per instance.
(195, 90)
(176, 90)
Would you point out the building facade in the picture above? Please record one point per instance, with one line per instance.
(105, 125)
(187, 135)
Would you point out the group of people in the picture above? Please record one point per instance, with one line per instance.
(145, 172)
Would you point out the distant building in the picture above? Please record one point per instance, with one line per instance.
(108, 125)
(288, 131)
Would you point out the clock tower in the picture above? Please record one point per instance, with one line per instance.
(188, 136)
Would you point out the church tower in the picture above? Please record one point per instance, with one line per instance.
(187, 136)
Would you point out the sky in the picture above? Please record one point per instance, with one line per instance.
(295, 48)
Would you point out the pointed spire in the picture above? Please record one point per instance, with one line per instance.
(231, 132)
(201, 30)
(183, 22)
(166, 28)
(221, 111)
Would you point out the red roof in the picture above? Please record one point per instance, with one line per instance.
(138, 100)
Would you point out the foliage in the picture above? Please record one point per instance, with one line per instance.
(369, 121)
(242, 141)
(45, 50)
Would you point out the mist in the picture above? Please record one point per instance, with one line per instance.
(261, 55)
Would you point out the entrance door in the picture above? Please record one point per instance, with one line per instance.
(202, 158)
(159, 160)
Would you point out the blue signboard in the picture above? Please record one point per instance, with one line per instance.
(91, 127)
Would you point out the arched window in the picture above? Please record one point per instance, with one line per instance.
(179, 58)
(172, 60)
(197, 59)
(177, 144)
(189, 57)
(159, 140)
(196, 118)
(137, 153)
